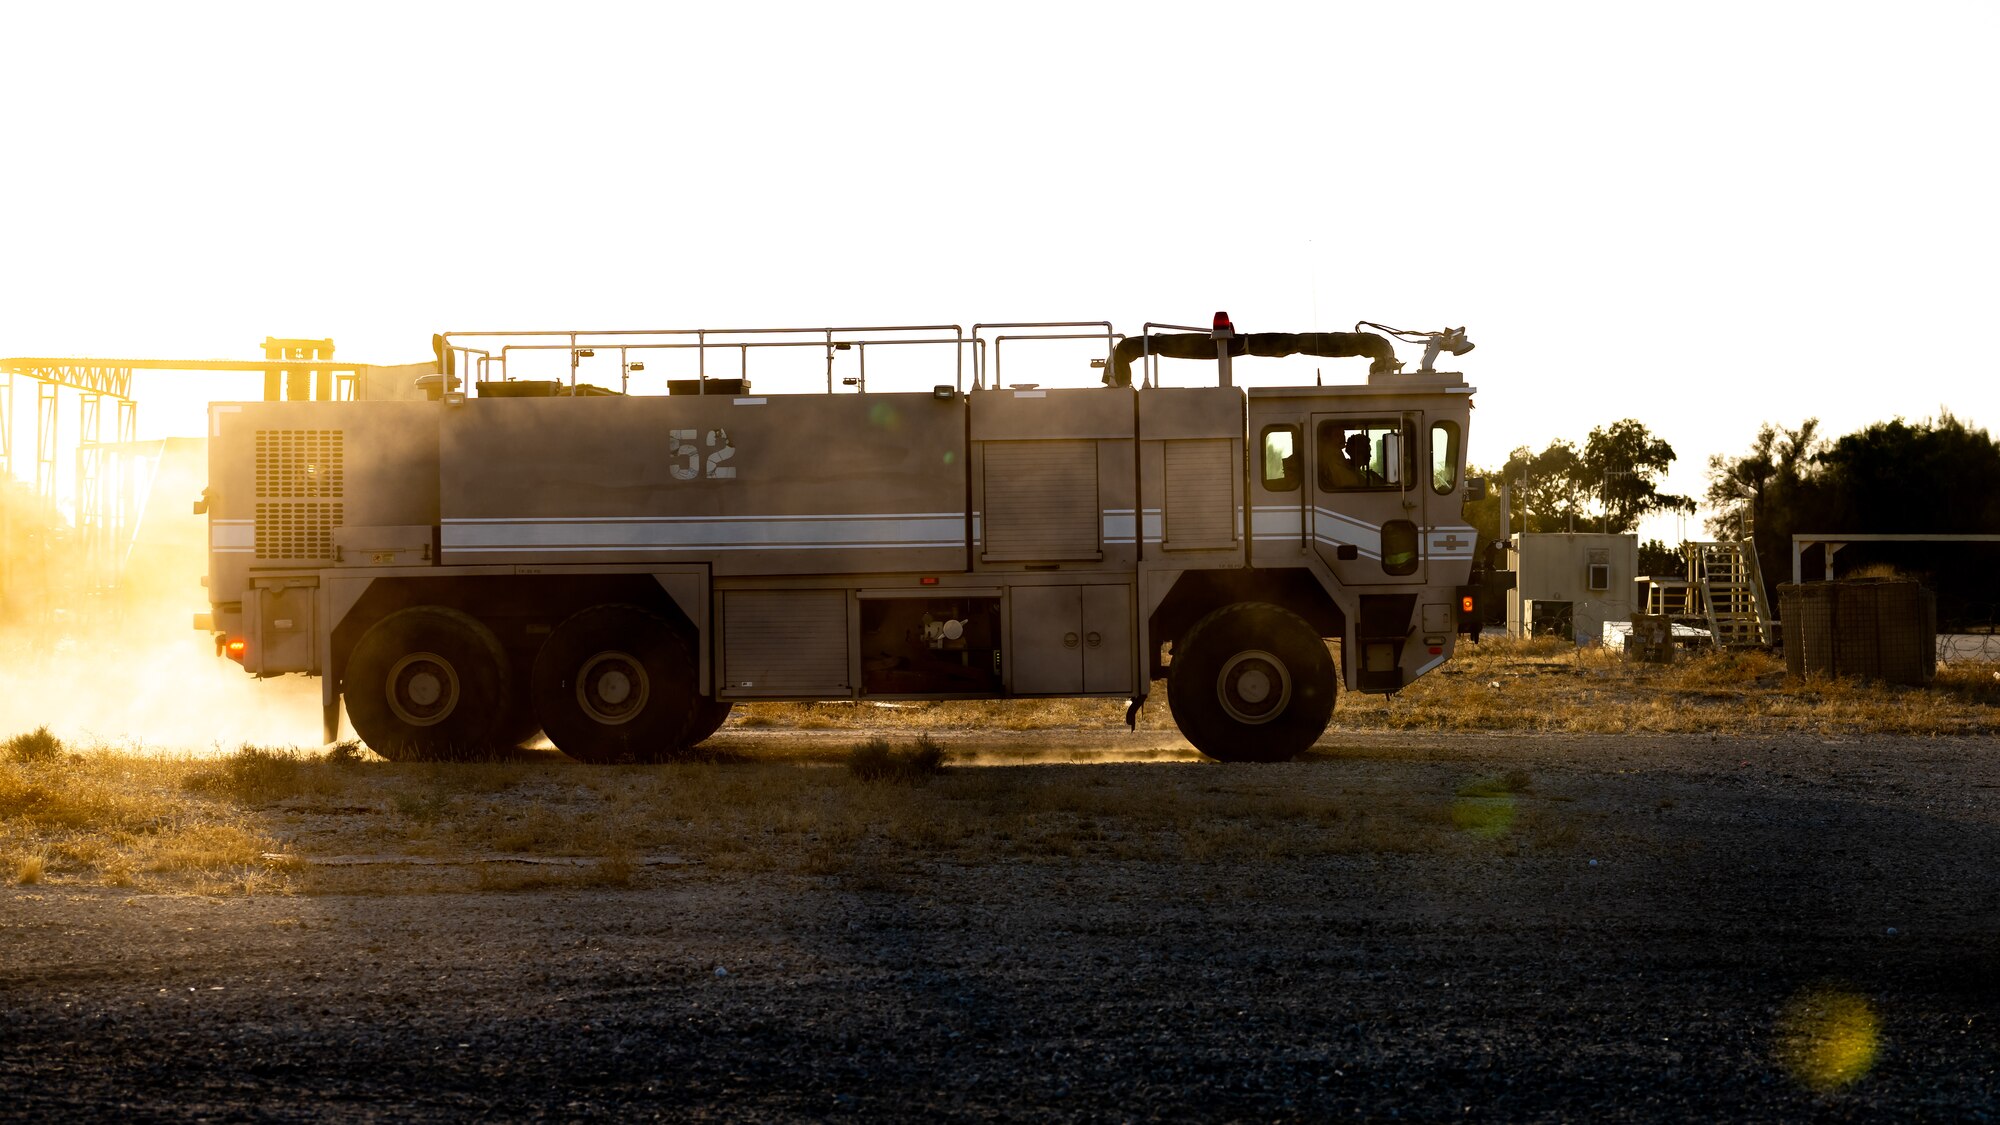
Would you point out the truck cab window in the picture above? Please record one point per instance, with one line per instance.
(1281, 458)
(1362, 454)
(1444, 457)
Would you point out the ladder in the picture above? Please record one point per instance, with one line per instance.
(1730, 588)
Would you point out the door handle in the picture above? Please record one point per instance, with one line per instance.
(1069, 640)
(1093, 639)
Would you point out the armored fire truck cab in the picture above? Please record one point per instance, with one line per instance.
(472, 564)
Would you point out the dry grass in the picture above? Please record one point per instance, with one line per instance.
(255, 776)
(103, 818)
(1512, 684)
(1543, 685)
(99, 818)
(816, 822)
(878, 760)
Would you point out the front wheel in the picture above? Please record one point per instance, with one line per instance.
(615, 683)
(1251, 682)
(708, 718)
(426, 683)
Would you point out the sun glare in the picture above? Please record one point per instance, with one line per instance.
(1829, 1038)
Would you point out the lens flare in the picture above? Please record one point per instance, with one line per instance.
(1828, 1038)
(884, 416)
(1488, 818)
(1486, 807)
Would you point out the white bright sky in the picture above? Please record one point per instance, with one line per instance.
(1704, 216)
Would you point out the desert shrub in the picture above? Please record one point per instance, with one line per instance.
(877, 760)
(30, 869)
(1970, 681)
(255, 776)
(1520, 647)
(423, 808)
(37, 745)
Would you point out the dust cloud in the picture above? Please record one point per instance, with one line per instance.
(118, 663)
(146, 681)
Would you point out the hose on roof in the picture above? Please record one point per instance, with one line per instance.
(1200, 345)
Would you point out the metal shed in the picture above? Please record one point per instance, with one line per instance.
(1570, 584)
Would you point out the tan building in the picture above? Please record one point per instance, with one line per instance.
(1570, 584)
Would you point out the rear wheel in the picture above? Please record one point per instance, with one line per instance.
(1251, 682)
(427, 684)
(615, 683)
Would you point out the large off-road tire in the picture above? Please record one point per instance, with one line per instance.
(1251, 682)
(708, 718)
(615, 683)
(427, 684)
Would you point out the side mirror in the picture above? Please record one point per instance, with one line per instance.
(1475, 489)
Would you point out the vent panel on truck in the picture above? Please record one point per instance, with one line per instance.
(297, 530)
(1041, 501)
(300, 464)
(301, 478)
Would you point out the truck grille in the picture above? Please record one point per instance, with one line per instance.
(301, 477)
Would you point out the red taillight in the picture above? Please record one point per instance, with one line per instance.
(1222, 323)
(1465, 604)
(927, 580)
(1437, 650)
(235, 648)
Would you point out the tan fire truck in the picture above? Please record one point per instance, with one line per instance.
(467, 556)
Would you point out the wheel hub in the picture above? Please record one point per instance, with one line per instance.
(612, 688)
(422, 689)
(1254, 687)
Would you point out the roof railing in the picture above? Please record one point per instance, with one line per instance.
(491, 363)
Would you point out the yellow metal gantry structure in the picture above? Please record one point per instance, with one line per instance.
(292, 369)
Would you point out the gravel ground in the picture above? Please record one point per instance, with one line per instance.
(1738, 929)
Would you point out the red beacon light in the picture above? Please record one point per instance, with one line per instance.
(1222, 323)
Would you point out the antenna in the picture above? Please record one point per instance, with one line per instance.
(1312, 270)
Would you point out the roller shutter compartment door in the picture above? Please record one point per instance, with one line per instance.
(1041, 501)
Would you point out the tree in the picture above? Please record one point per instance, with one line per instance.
(1627, 462)
(1938, 477)
(1542, 487)
(1934, 476)
(1656, 558)
(1773, 473)
(1609, 485)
